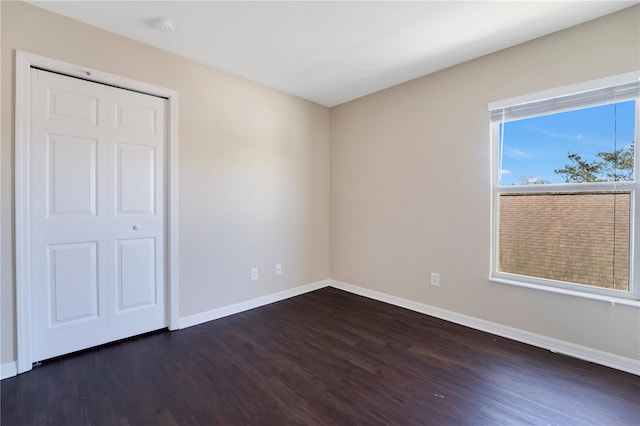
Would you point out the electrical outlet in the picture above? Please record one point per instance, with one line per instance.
(254, 274)
(279, 269)
(435, 279)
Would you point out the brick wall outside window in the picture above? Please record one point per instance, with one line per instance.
(567, 237)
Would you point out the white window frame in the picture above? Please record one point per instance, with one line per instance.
(632, 297)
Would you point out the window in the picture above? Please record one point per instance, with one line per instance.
(565, 188)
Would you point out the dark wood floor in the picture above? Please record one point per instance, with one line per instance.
(327, 357)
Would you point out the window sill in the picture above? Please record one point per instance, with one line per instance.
(613, 300)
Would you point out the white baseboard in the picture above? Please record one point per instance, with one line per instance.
(224, 311)
(618, 362)
(8, 369)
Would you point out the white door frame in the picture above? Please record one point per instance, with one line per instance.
(24, 62)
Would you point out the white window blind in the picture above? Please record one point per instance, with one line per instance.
(584, 99)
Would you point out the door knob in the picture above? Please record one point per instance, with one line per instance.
(136, 227)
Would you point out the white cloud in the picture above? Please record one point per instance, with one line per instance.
(505, 172)
(518, 153)
(557, 135)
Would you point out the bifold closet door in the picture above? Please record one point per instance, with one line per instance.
(96, 213)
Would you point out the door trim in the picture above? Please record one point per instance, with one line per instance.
(24, 62)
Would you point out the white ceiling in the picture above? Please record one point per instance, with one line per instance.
(331, 52)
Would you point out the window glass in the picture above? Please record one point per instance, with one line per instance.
(585, 145)
(580, 237)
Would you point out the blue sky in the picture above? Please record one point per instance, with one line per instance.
(533, 148)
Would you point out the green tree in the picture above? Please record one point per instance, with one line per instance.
(618, 165)
(613, 166)
(532, 180)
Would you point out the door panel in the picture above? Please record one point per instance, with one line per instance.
(70, 106)
(97, 214)
(135, 117)
(73, 282)
(136, 281)
(72, 190)
(135, 179)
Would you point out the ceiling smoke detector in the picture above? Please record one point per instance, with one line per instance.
(165, 25)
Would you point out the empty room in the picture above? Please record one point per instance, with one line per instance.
(368, 212)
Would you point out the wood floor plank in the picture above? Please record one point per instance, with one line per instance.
(323, 358)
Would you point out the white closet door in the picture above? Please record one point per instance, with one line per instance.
(135, 266)
(97, 239)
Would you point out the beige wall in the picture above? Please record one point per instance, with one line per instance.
(410, 185)
(253, 167)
